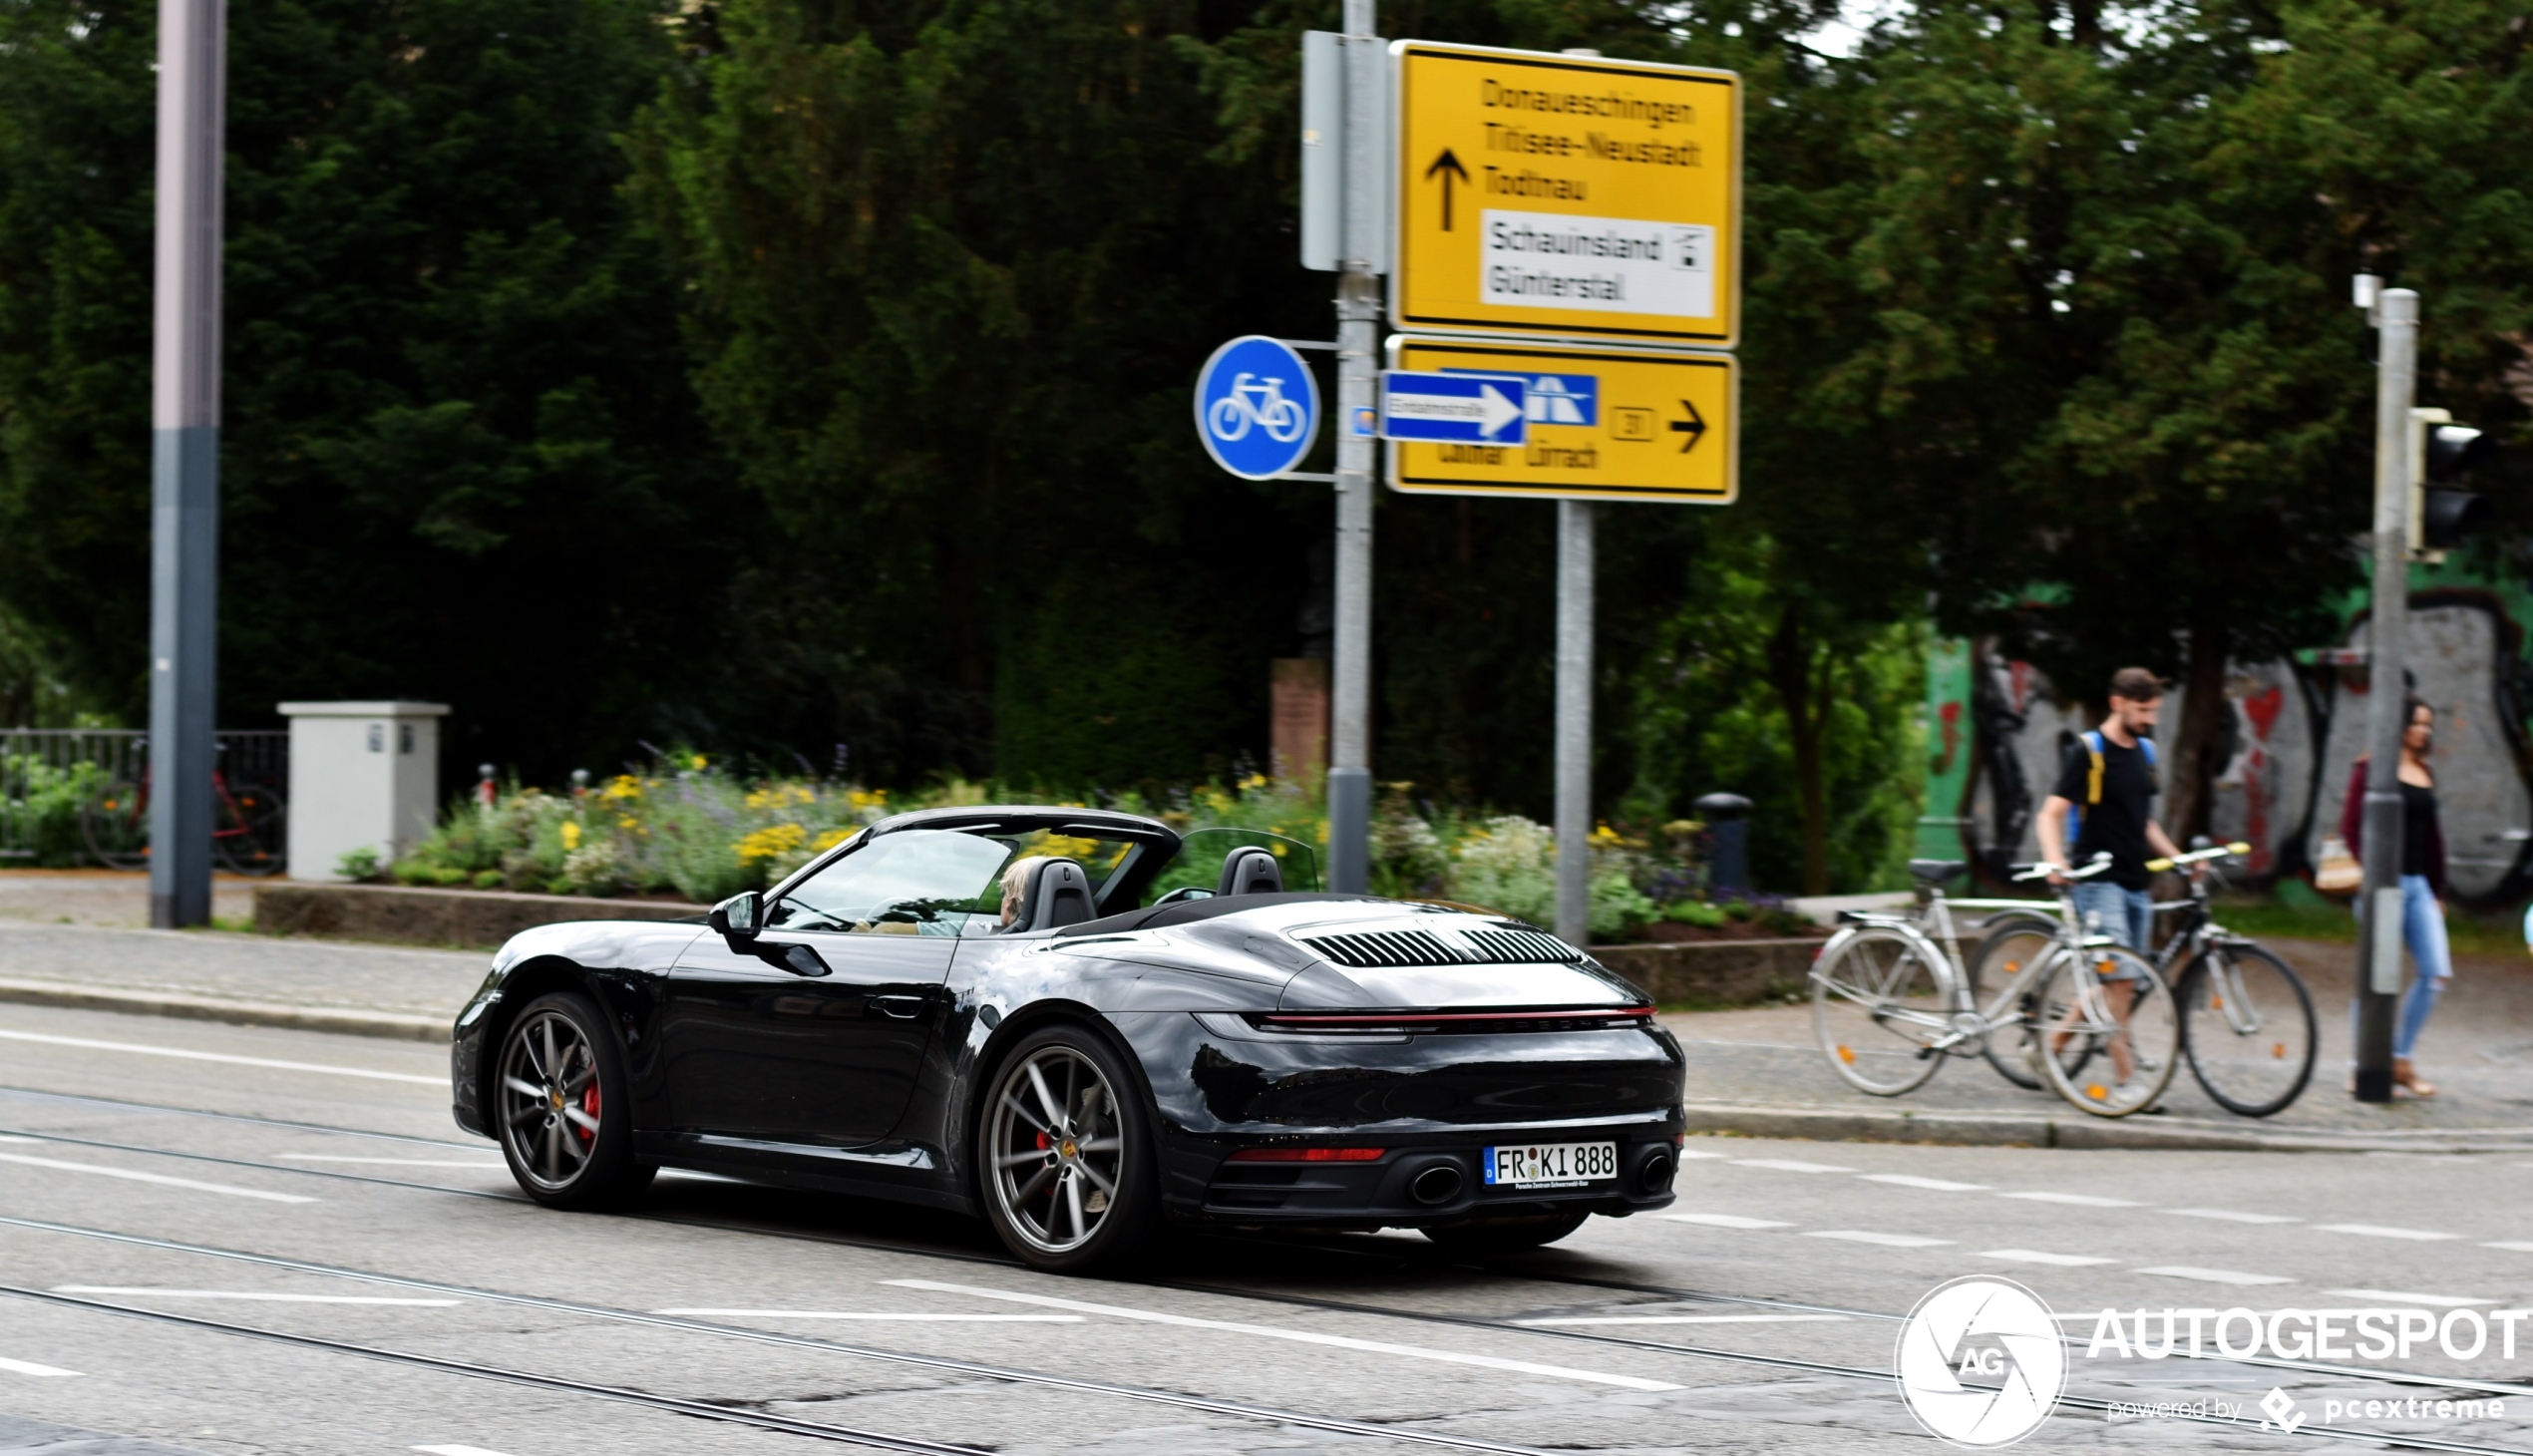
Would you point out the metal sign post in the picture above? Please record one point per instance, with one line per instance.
(2380, 951)
(184, 460)
(1366, 243)
(1574, 721)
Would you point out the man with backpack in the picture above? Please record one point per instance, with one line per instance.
(2109, 785)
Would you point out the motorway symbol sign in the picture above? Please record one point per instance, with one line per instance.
(1458, 407)
(1566, 196)
(1601, 424)
(1257, 407)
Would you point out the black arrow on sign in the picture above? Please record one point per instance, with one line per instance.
(1692, 427)
(1444, 166)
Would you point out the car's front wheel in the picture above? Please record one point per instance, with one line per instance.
(565, 1113)
(1064, 1154)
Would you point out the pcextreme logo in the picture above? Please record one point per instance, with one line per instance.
(1981, 1363)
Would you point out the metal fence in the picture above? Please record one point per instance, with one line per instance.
(56, 782)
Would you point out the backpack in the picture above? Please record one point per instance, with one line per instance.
(2091, 738)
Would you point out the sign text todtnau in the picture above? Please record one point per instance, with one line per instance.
(1566, 196)
(1599, 424)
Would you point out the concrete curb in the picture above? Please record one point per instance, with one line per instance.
(388, 1024)
(2007, 1129)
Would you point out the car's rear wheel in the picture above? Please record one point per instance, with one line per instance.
(1506, 1237)
(1064, 1154)
(566, 1116)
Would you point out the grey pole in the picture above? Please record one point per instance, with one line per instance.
(184, 460)
(1358, 316)
(2379, 952)
(1574, 721)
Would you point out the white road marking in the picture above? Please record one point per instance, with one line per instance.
(189, 1055)
(2034, 1255)
(1888, 1240)
(2231, 1216)
(2378, 1231)
(2213, 1275)
(1701, 1153)
(458, 1451)
(2074, 1199)
(1691, 1320)
(1297, 1337)
(269, 1299)
(1789, 1165)
(2442, 1301)
(2512, 1245)
(30, 1368)
(1911, 1180)
(157, 1178)
(14, 1138)
(920, 1316)
(396, 1162)
(1725, 1221)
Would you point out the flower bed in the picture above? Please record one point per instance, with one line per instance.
(692, 829)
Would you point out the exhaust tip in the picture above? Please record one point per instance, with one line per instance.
(1655, 1175)
(1439, 1183)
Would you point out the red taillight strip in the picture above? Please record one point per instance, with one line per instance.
(1307, 1154)
(1632, 1013)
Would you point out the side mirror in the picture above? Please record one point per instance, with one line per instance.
(739, 918)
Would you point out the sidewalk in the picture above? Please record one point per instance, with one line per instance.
(1758, 1072)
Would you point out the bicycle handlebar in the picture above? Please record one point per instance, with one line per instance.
(2097, 864)
(2197, 857)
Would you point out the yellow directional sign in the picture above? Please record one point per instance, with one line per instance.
(1567, 195)
(1603, 424)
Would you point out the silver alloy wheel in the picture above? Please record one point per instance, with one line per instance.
(549, 1100)
(1058, 1149)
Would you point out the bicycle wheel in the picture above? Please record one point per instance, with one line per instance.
(2248, 1025)
(116, 825)
(2014, 943)
(2109, 1030)
(247, 833)
(1879, 1005)
(1229, 419)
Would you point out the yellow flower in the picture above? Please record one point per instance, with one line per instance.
(627, 822)
(697, 764)
(830, 839)
(571, 834)
(622, 786)
(865, 800)
(773, 840)
(1254, 781)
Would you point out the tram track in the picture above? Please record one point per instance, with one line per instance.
(982, 1370)
(1305, 1302)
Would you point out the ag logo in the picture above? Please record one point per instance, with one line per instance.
(1981, 1363)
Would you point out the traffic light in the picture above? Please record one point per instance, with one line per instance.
(2442, 514)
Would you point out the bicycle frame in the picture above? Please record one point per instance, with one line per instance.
(1939, 942)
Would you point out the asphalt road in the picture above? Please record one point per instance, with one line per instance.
(243, 1181)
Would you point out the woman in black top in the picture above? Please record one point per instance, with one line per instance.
(2423, 886)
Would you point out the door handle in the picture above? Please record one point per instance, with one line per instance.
(901, 1009)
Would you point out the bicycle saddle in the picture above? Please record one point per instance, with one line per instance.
(1937, 869)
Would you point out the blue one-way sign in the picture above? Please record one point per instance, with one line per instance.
(1453, 408)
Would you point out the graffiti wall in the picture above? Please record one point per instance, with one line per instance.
(1999, 732)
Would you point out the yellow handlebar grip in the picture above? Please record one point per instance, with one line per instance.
(2239, 848)
(2159, 865)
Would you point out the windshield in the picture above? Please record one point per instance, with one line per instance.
(1198, 867)
(931, 881)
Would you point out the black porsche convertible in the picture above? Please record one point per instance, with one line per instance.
(978, 1009)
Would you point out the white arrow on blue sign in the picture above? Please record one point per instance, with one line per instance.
(1257, 407)
(1453, 408)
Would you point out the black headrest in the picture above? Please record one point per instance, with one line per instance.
(1056, 892)
(1250, 871)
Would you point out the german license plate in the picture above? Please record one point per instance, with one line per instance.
(1549, 1165)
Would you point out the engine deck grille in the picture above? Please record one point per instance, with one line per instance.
(1519, 948)
(1423, 948)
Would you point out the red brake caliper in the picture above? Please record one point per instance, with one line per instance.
(589, 1105)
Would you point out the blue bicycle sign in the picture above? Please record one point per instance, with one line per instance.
(1257, 407)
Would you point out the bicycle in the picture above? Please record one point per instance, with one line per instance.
(2247, 1020)
(1890, 1003)
(1231, 417)
(246, 825)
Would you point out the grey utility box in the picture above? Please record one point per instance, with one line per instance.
(363, 776)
